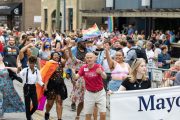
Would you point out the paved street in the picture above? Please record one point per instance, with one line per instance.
(67, 113)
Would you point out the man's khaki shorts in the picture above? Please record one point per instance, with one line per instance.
(90, 99)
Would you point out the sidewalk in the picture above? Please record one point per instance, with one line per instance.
(68, 114)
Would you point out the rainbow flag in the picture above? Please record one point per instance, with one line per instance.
(91, 32)
(110, 24)
(46, 72)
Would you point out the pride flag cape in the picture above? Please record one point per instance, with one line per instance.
(46, 73)
(91, 32)
(42, 63)
(110, 24)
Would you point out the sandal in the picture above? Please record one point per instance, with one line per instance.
(77, 118)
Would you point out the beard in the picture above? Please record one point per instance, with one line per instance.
(11, 44)
(117, 49)
(81, 46)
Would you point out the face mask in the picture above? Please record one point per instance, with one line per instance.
(47, 46)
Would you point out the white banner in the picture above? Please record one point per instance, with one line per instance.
(151, 104)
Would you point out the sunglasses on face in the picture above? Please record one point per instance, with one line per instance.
(135, 61)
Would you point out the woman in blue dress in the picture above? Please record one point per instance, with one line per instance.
(11, 100)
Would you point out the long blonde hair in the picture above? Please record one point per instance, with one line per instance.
(136, 63)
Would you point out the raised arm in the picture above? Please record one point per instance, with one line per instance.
(109, 59)
(69, 50)
(21, 52)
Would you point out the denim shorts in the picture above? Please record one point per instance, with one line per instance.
(114, 85)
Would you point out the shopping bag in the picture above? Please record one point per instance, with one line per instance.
(42, 103)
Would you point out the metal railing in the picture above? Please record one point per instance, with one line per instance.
(161, 77)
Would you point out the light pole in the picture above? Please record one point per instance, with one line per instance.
(64, 15)
(148, 5)
(150, 19)
(58, 16)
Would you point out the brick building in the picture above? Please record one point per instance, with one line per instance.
(70, 16)
(21, 13)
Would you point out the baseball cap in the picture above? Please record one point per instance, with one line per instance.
(80, 40)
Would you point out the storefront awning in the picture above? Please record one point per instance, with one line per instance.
(11, 9)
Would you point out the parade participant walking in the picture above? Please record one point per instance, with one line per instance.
(138, 77)
(77, 94)
(78, 54)
(119, 70)
(44, 53)
(24, 54)
(55, 88)
(93, 75)
(11, 100)
(101, 59)
(30, 76)
(11, 53)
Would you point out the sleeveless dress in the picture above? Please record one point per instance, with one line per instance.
(118, 71)
(56, 85)
(77, 93)
(11, 100)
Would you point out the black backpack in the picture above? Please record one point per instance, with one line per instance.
(141, 53)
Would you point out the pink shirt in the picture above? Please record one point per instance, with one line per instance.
(119, 71)
(93, 81)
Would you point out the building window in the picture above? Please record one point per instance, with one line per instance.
(3, 20)
(45, 19)
(70, 11)
(17, 21)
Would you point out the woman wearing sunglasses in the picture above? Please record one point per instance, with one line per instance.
(138, 77)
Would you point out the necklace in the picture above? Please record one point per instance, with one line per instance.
(139, 84)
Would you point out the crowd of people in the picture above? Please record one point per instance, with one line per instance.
(109, 62)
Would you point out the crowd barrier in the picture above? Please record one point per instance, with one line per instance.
(161, 77)
(158, 76)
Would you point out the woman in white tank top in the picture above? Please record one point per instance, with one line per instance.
(119, 70)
